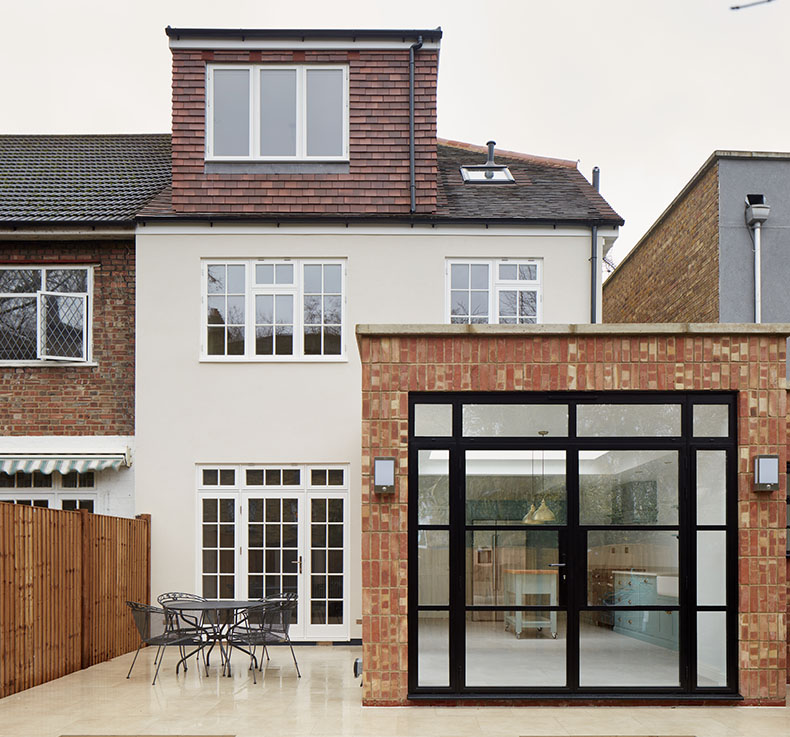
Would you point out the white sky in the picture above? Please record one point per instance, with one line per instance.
(645, 90)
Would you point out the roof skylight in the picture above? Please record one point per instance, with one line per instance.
(488, 173)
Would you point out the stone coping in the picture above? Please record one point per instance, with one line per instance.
(644, 329)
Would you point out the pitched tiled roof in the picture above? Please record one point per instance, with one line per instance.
(545, 189)
(80, 178)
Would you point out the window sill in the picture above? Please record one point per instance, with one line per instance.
(275, 359)
(300, 166)
(48, 364)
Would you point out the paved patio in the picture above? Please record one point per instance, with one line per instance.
(324, 702)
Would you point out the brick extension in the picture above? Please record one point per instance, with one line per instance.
(673, 274)
(61, 399)
(400, 359)
(378, 177)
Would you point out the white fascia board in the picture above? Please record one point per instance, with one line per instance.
(53, 444)
(292, 44)
(64, 234)
(221, 228)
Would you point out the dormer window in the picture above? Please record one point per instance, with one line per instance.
(488, 173)
(267, 112)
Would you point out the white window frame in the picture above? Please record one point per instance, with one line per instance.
(241, 493)
(87, 309)
(254, 122)
(496, 285)
(252, 290)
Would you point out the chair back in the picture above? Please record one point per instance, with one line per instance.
(150, 621)
(170, 596)
(277, 616)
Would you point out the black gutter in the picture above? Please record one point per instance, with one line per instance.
(413, 49)
(302, 33)
(596, 183)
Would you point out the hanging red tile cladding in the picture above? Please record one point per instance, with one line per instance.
(378, 177)
(754, 366)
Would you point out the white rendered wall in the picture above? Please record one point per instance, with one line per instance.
(191, 412)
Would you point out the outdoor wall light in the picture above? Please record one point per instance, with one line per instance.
(766, 473)
(384, 475)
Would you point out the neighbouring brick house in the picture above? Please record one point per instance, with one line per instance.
(67, 300)
(698, 261)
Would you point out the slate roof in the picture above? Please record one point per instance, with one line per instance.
(80, 178)
(545, 189)
(113, 178)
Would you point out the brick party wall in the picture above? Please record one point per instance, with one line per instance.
(392, 366)
(378, 178)
(72, 399)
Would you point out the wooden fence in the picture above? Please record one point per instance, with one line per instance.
(65, 578)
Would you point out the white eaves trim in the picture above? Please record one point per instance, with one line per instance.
(291, 44)
(175, 227)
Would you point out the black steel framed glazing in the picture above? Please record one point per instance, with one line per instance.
(574, 544)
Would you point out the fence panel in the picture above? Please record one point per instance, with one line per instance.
(65, 578)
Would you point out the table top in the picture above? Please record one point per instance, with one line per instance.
(541, 572)
(190, 605)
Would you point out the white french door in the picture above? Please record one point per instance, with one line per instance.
(256, 542)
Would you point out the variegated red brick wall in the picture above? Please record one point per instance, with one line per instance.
(500, 359)
(378, 178)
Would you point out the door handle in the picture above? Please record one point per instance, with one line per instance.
(556, 565)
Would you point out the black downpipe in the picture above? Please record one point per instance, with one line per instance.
(596, 182)
(412, 176)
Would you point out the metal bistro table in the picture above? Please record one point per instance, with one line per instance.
(216, 614)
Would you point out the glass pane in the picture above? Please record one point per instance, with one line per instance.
(284, 274)
(528, 272)
(433, 649)
(264, 274)
(216, 279)
(216, 311)
(495, 656)
(515, 487)
(236, 279)
(512, 567)
(516, 420)
(433, 500)
(711, 487)
(18, 329)
(433, 420)
(209, 510)
(628, 420)
(479, 276)
(67, 280)
(628, 487)
(711, 420)
(632, 568)
(227, 477)
(20, 281)
(335, 477)
(325, 108)
(231, 114)
(433, 567)
(290, 477)
(711, 568)
(507, 271)
(254, 478)
(312, 278)
(459, 276)
(638, 648)
(332, 279)
(273, 479)
(278, 112)
(711, 649)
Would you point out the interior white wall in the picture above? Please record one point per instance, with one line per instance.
(190, 412)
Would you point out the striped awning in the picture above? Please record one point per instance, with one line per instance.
(62, 462)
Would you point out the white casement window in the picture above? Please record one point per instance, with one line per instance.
(505, 291)
(272, 310)
(45, 313)
(277, 112)
(53, 491)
